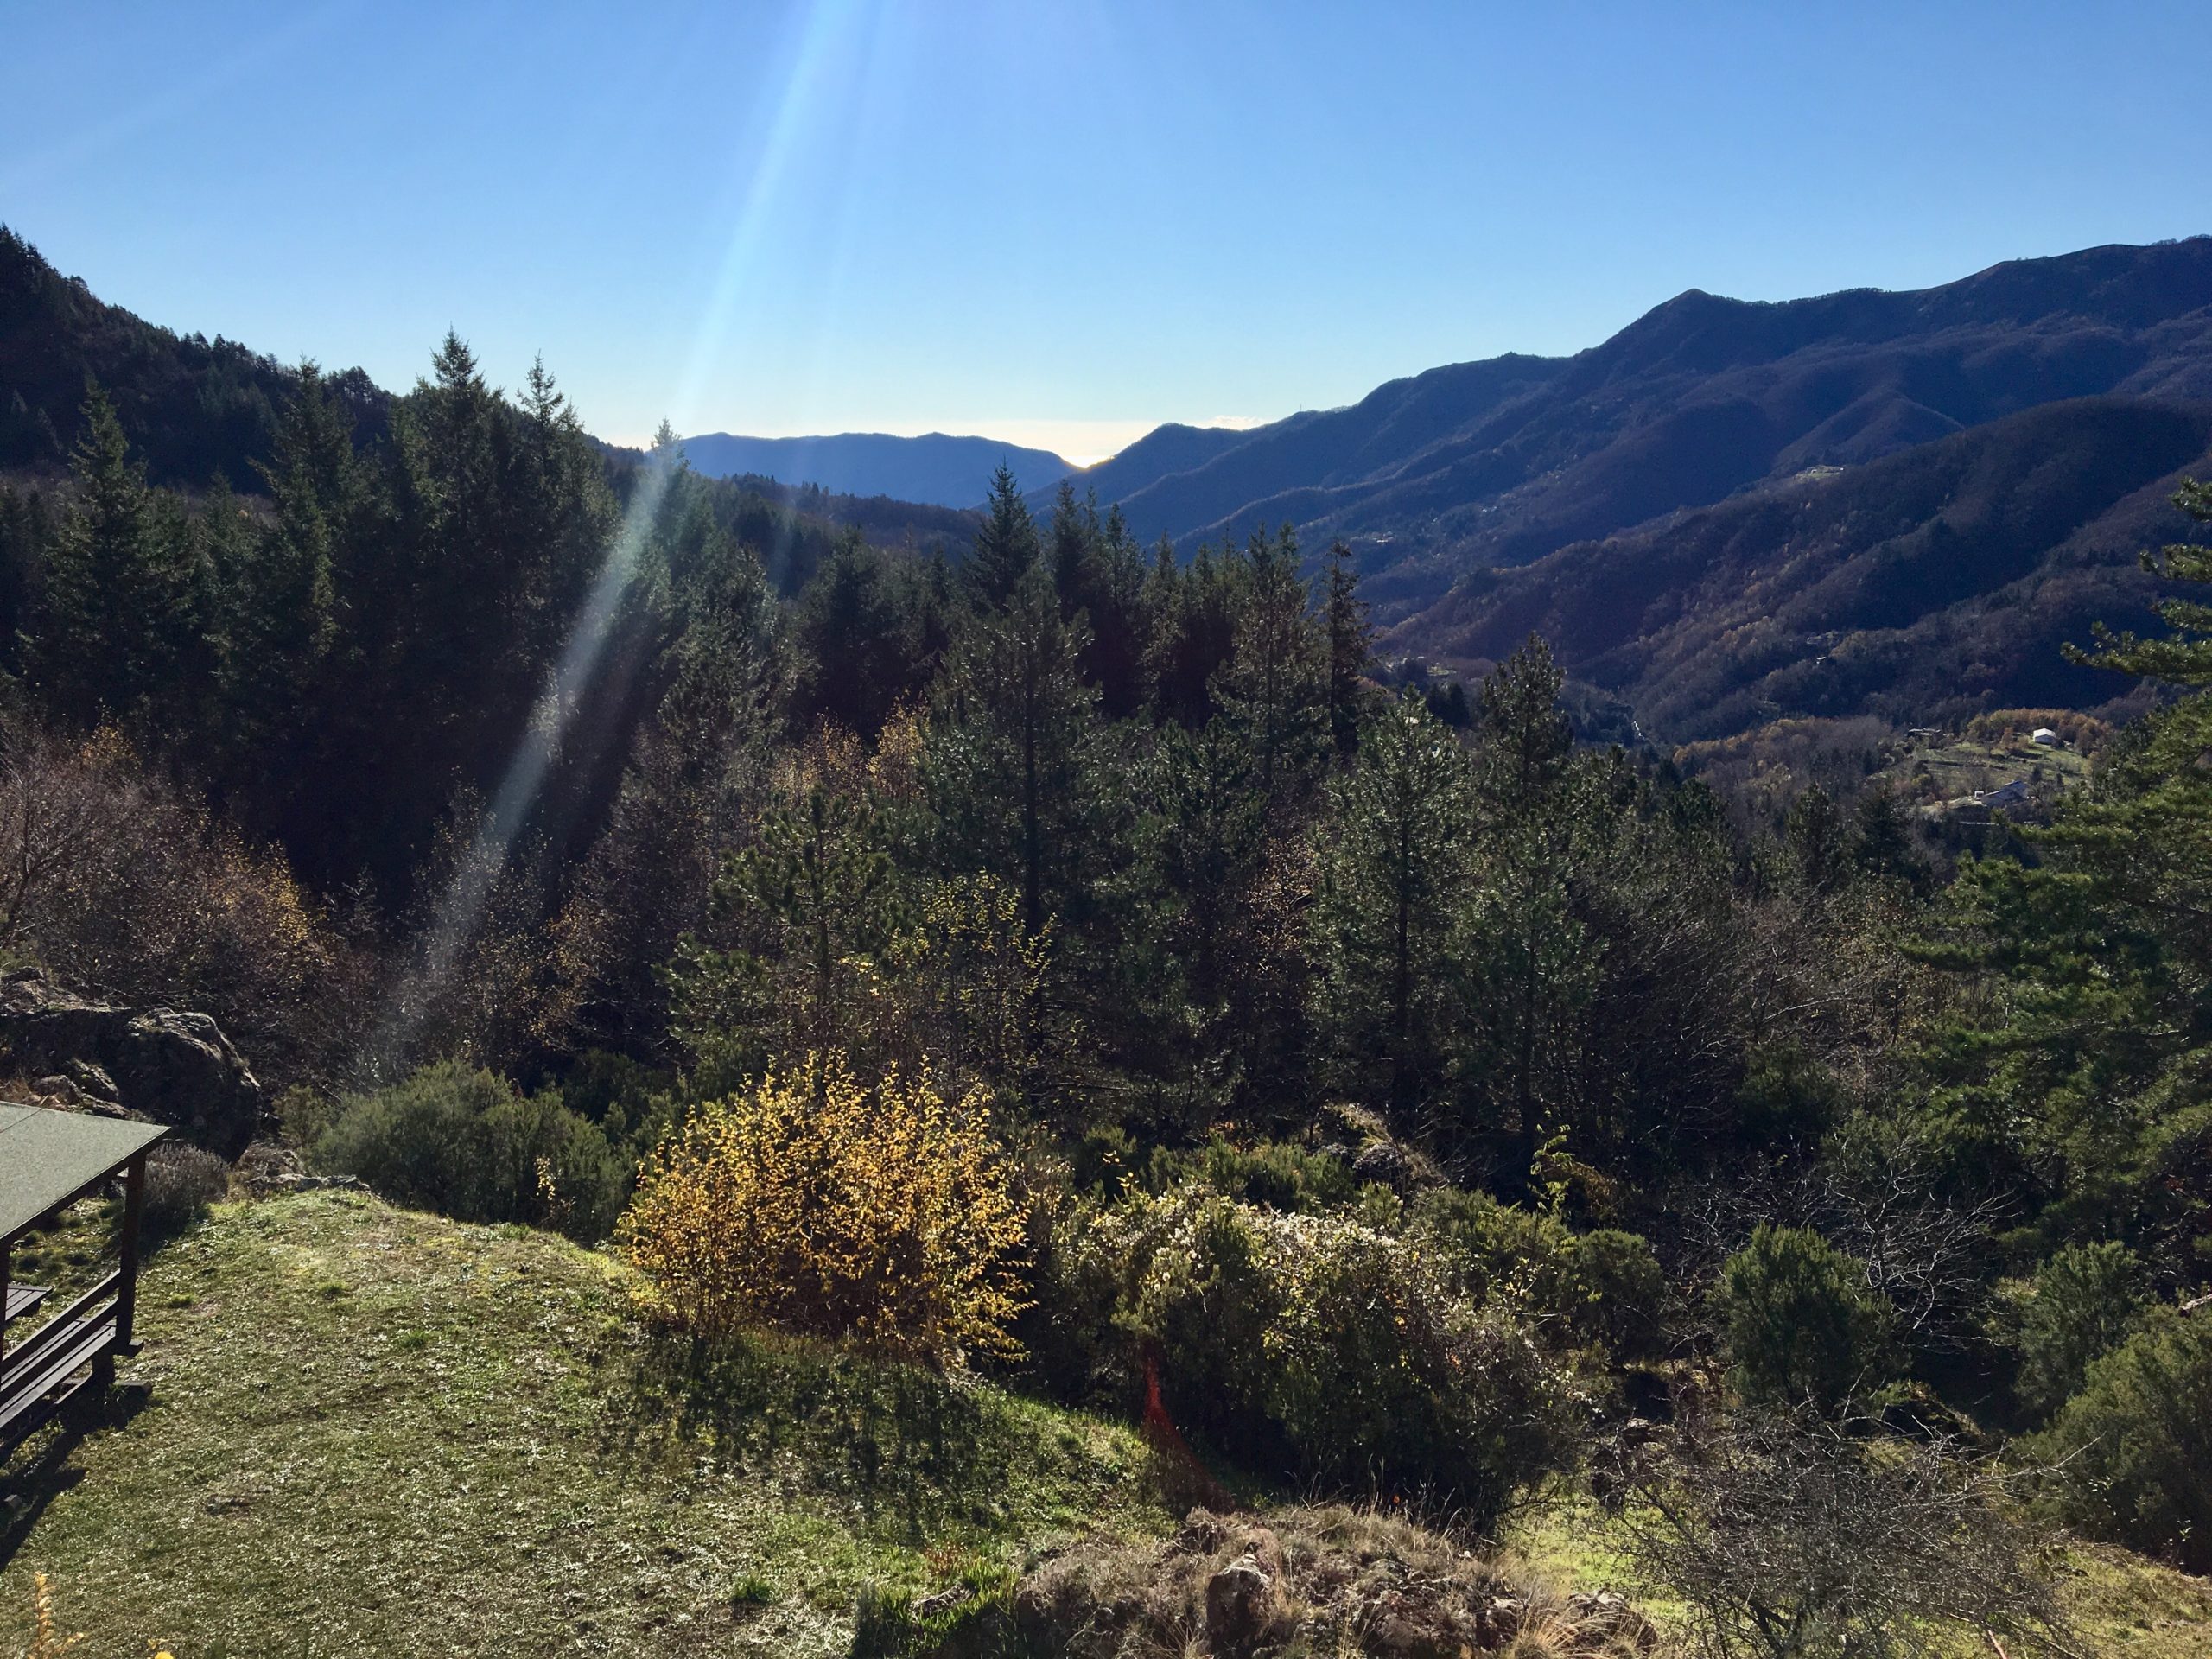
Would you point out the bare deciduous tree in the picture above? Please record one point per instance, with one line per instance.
(127, 887)
(1788, 1537)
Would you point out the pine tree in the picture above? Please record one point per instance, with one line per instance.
(668, 448)
(283, 602)
(1522, 762)
(1393, 871)
(1883, 844)
(1099, 576)
(809, 904)
(1074, 534)
(1013, 766)
(1209, 843)
(1529, 958)
(1161, 602)
(1274, 692)
(846, 641)
(1816, 843)
(1006, 546)
(562, 516)
(1193, 629)
(694, 784)
(2081, 1073)
(26, 528)
(1350, 646)
(1114, 602)
(2183, 658)
(122, 619)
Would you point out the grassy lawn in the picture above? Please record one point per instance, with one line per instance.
(375, 1431)
(1946, 771)
(2120, 1605)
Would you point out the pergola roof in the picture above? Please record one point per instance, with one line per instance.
(48, 1158)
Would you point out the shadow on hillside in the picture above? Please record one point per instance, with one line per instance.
(37, 1472)
(908, 1446)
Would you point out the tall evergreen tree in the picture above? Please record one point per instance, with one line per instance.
(1273, 690)
(1073, 534)
(1098, 574)
(285, 604)
(1209, 842)
(1350, 646)
(2184, 656)
(1528, 953)
(1006, 546)
(1114, 602)
(809, 904)
(26, 528)
(1013, 764)
(851, 665)
(1193, 631)
(122, 623)
(2078, 1074)
(1394, 870)
(561, 516)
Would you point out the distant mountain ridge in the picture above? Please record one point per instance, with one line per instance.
(1501, 461)
(1867, 502)
(1732, 510)
(937, 469)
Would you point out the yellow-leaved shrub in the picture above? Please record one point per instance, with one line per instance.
(816, 1204)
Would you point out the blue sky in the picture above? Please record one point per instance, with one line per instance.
(1058, 221)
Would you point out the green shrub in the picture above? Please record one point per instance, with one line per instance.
(2082, 1303)
(2133, 1448)
(1603, 1289)
(1800, 1323)
(1620, 1293)
(1075, 1351)
(1102, 1160)
(1272, 1174)
(1786, 1095)
(464, 1143)
(1379, 1376)
(1205, 1300)
(1346, 1354)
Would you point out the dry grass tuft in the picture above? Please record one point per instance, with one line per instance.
(1345, 1582)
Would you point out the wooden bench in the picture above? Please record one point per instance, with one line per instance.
(42, 1373)
(48, 1160)
(23, 1300)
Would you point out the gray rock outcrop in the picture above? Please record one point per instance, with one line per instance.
(160, 1064)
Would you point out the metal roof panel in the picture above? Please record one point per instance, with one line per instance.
(47, 1157)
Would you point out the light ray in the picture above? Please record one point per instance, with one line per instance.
(460, 906)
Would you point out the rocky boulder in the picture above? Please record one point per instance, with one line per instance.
(1244, 1598)
(157, 1065)
(268, 1170)
(1385, 1164)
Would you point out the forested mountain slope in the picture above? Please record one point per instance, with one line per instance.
(1500, 462)
(1921, 586)
(193, 406)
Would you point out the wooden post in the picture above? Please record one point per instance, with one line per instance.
(7, 1250)
(134, 1205)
